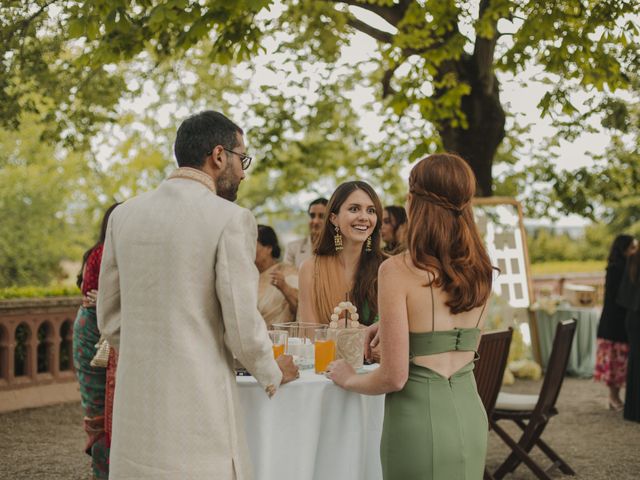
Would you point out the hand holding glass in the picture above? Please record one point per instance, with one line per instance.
(279, 341)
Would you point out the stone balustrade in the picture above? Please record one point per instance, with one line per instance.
(36, 352)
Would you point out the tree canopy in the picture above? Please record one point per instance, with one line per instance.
(38, 187)
(291, 73)
(608, 190)
(435, 74)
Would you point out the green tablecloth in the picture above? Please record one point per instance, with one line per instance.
(583, 349)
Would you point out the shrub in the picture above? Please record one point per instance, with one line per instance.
(38, 292)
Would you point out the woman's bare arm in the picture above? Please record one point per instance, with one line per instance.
(394, 340)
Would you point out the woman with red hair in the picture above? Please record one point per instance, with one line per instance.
(431, 301)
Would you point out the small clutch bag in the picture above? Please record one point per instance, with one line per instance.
(101, 358)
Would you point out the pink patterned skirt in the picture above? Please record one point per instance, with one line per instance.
(611, 362)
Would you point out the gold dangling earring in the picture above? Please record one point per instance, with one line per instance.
(337, 239)
(367, 247)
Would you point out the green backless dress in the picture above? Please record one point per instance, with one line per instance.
(435, 428)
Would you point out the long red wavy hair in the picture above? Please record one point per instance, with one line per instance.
(442, 235)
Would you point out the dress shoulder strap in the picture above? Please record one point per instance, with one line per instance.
(433, 308)
(481, 312)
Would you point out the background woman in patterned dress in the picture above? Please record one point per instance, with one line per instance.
(85, 337)
(613, 347)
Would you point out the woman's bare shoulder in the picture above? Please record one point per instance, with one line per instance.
(401, 265)
(306, 267)
(395, 265)
(398, 263)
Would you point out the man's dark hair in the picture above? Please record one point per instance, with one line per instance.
(201, 133)
(318, 201)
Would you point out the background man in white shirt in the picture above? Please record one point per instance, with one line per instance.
(299, 250)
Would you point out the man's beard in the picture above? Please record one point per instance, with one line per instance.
(225, 186)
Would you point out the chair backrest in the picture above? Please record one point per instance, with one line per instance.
(493, 352)
(556, 367)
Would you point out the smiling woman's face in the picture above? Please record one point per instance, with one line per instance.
(356, 217)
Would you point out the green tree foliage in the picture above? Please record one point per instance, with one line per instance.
(607, 192)
(38, 187)
(436, 69)
(546, 245)
(71, 67)
(53, 196)
(45, 73)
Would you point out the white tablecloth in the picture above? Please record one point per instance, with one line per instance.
(312, 430)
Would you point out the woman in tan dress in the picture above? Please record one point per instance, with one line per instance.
(278, 284)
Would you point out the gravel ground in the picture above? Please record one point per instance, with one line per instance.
(46, 443)
(596, 442)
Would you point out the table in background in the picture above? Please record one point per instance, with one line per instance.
(582, 358)
(312, 430)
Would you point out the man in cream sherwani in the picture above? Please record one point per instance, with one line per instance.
(177, 299)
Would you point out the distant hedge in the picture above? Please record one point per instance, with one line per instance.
(39, 292)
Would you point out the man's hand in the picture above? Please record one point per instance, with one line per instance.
(289, 369)
(371, 341)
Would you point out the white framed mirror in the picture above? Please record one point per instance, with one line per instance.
(500, 223)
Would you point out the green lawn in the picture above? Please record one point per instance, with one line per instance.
(585, 266)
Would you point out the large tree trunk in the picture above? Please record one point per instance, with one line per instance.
(479, 142)
(486, 119)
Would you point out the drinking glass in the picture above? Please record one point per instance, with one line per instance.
(325, 350)
(279, 341)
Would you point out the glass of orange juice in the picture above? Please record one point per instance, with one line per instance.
(279, 341)
(325, 350)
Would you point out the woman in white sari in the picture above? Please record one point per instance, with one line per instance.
(278, 284)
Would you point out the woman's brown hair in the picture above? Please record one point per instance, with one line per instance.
(103, 235)
(398, 216)
(442, 234)
(365, 285)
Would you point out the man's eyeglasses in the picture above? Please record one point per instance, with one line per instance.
(245, 160)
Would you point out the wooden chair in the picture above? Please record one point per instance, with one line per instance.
(493, 352)
(532, 412)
